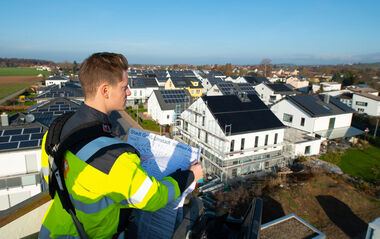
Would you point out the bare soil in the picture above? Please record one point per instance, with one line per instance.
(328, 203)
(4, 80)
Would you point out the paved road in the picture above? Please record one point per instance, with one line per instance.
(2, 101)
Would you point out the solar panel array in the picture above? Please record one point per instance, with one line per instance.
(60, 107)
(339, 104)
(310, 103)
(247, 88)
(174, 96)
(227, 88)
(21, 138)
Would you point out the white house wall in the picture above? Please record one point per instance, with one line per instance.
(372, 108)
(214, 91)
(311, 124)
(288, 107)
(315, 146)
(322, 123)
(14, 162)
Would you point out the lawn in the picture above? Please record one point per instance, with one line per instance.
(21, 71)
(362, 163)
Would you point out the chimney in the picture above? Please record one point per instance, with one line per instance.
(4, 119)
(327, 99)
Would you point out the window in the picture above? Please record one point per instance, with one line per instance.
(195, 118)
(360, 103)
(206, 138)
(272, 98)
(232, 145)
(242, 144)
(203, 121)
(307, 150)
(275, 138)
(167, 116)
(302, 121)
(234, 172)
(198, 91)
(186, 126)
(266, 140)
(135, 93)
(192, 92)
(256, 141)
(199, 133)
(288, 118)
(140, 92)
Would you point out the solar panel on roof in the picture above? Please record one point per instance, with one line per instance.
(25, 144)
(37, 136)
(309, 102)
(31, 130)
(20, 137)
(4, 139)
(12, 132)
(12, 145)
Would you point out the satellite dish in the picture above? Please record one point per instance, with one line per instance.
(29, 118)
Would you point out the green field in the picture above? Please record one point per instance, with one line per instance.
(362, 163)
(21, 71)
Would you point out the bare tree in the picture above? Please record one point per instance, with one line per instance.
(266, 64)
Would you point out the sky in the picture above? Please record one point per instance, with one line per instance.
(194, 32)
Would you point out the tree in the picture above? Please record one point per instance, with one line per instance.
(267, 66)
(75, 66)
(227, 69)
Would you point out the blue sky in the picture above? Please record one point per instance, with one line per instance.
(194, 32)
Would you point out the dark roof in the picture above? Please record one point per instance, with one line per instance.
(214, 80)
(315, 106)
(244, 116)
(281, 88)
(162, 79)
(255, 80)
(230, 88)
(142, 83)
(169, 99)
(68, 90)
(45, 112)
(182, 82)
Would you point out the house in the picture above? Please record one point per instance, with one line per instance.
(164, 106)
(191, 84)
(320, 115)
(366, 103)
(57, 79)
(238, 135)
(229, 88)
(271, 93)
(141, 89)
(68, 90)
(20, 158)
(255, 80)
(20, 149)
(207, 83)
(236, 79)
(298, 83)
(326, 86)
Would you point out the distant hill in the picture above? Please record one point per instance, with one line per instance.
(21, 62)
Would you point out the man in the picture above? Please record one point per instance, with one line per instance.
(104, 177)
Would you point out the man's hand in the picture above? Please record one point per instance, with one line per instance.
(197, 170)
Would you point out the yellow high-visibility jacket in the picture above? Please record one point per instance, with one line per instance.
(115, 180)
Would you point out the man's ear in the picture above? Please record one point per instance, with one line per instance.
(104, 90)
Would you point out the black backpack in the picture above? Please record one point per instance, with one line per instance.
(56, 149)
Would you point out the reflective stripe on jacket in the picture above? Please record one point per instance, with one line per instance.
(102, 178)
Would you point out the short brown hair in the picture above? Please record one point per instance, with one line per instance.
(101, 67)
